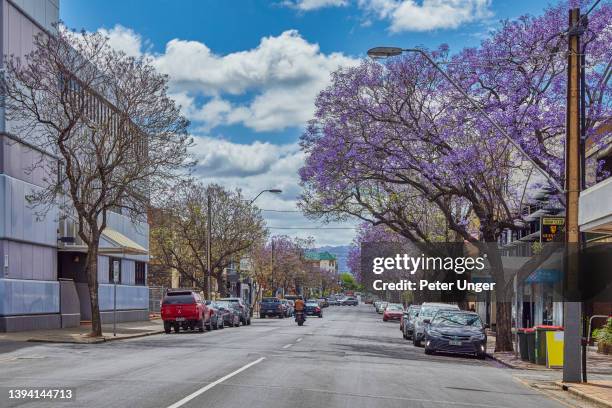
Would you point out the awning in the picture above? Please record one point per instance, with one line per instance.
(122, 244)
(112, 242)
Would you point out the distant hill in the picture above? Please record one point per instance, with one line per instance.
(341, 253)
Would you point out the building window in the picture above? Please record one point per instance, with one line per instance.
(140, 273)
(114, 264)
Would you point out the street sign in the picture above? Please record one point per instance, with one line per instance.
(552, 228)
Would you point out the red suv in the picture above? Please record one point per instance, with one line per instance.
(185, 309)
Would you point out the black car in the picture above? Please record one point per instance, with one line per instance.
(245, 310)
(453, 331)
(229, 313)
(312, 308)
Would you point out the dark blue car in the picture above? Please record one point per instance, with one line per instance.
(452, 331)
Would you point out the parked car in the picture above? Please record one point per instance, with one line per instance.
(427, 312)
(216, 315)
(288, 307)
(291, 304)
(186, 310)
(453, 331)
(408, 321)
(229, 313)
(350, 301)
(393, 311)
(312, 308)
(381, 307)
(271, 307)
(245, 310)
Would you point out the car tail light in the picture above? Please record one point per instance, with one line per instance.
(317, 309)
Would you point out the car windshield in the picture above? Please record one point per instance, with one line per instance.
(270, 300)
(222, 304)
(312, 304)
(457, 319)
(179, 300)
(394, 307)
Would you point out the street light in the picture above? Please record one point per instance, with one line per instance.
(386, 52)
(272, 190)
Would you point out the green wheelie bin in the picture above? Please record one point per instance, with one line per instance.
(540, 342)
(530, 335)
(522, 343)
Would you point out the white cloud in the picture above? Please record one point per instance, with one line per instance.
(124, 39)
(259, 166)
(309, 5)
(409, 15)
(281, 76)
(278, 80)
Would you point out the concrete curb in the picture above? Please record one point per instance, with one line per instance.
(94, 340)
(595, 400)
(510, 365)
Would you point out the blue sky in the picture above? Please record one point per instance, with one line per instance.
(247, 71)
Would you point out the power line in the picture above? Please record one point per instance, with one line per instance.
(315, 228)
(281, 211)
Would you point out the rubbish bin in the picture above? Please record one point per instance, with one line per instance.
(522, 340)
(530, 335)
(540, 342)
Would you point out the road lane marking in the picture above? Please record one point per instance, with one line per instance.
(298, 340)
(286, 346)
(212, 384)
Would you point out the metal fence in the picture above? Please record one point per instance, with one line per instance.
(156, 293)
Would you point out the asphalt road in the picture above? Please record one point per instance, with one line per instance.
(349, 358)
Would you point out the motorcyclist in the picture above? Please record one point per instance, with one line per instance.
(299, 308)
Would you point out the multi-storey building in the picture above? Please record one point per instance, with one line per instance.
(42, 283)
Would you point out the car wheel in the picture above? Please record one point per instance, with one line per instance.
(177, 327)
(222, 324)
(404, 335)
(249, 322)
(416, 341)
(321, 315)
(167, 327)
(261, 316)
(481, 356)
(428, 351)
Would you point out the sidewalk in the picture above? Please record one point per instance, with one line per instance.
(598, 392)
(596, 363)
(79, 334)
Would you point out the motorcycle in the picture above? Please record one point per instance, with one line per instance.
(299, 317)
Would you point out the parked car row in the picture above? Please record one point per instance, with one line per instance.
(186, 310)
(438, 327)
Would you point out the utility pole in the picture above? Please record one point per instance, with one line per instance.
(272, 267)
(208, 245)
(572, 309)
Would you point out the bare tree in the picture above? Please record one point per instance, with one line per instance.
(179, 231)
(108, 117)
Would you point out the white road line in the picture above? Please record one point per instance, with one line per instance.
(286, 346)
(212, 384)
(298, 340)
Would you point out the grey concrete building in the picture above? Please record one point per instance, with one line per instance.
(42, 281)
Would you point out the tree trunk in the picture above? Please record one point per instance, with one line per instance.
(503, 321)
(91, 269)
